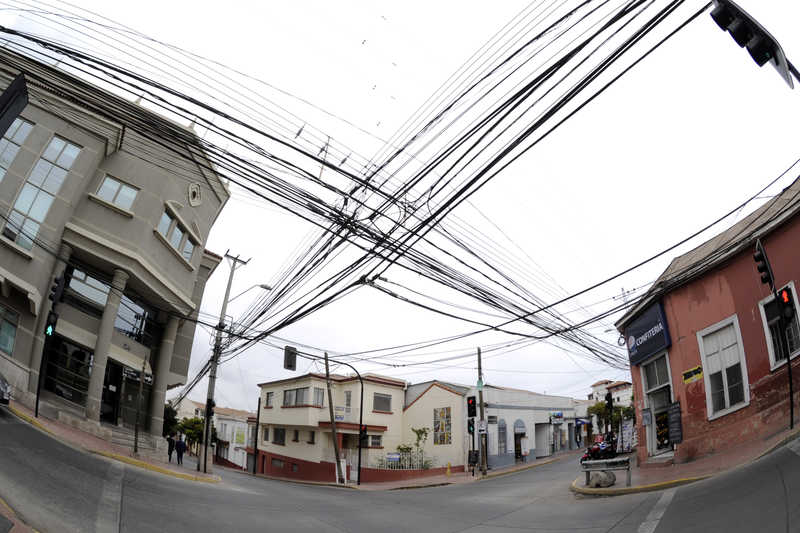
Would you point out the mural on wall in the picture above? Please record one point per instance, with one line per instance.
(442, 428)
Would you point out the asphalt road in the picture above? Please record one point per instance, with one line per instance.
(56, 488)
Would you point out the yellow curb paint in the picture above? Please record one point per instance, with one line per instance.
(575, 487)
(154, 468)
(10, 510)
(28, 419)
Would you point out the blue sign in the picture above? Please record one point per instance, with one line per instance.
(393, 457)
(648, 334)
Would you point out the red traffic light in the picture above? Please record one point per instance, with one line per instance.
(785, 296)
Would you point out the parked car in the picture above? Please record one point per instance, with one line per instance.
(5, 390)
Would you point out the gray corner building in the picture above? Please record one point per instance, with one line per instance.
(120, 201)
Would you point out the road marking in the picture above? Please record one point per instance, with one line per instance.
(108, 512)
(651, 522)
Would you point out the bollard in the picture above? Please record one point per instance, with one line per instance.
(448, 469)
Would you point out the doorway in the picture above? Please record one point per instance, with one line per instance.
(658, 395)
(112, 384)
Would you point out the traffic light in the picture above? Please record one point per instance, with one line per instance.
(362, 434)
(762, 265)
(786, 303)
(747, 32)
(290, 358)
(471, 426)
(210, 405)
(609, 402)
(57, 290)
(50, 325)
(471, 406)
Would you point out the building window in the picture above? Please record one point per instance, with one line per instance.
(296, 436)
(176, 235)
(348, 396)
(295, 468)
(382, 402)
(10, 143)
(8, 329)
(295, 397)
(268, 400)
(770, 312)
(117, 193)
(725, 370)
(265, 434)
(39, 191)
(502, 446)
(319, 397)
(279, 436)
(375, 441)
(312, 436)
(277, 463)
(442, 431)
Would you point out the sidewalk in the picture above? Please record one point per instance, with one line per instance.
(649, 477)
(76, 438)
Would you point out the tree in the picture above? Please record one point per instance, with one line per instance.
(193, 429)
(170, 419)
(422, 437)
(601, 412)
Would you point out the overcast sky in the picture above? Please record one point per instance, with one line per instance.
(688, 134)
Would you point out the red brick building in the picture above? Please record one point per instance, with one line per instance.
(703, 343)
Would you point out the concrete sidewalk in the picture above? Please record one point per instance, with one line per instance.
(84, 441)
(650, 477)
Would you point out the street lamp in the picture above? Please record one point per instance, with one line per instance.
(212, 374)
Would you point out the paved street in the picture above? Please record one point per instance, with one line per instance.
(55, 488)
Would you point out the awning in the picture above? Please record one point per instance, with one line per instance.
(88, 340)
(8, 280)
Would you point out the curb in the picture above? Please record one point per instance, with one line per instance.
(129, 460)
(575, 487)
(788, 438)
(296, 481)
(17, 525)
(154, 468)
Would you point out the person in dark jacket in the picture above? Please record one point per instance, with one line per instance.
(170, 446)
(180, 447)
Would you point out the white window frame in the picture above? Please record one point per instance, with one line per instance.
(650, 431)
(16, 142)
(268, 398)
(768, 335)
(733, 319)
(120, 184)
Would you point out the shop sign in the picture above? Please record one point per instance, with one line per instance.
(556, 417)
(647, 417)
(675, 427)
(133, 375)
(338, 418)
(393, 457)
(693, 374)
(648, 334)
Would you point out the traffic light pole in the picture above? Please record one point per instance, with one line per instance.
(785, 349)
(483, 440)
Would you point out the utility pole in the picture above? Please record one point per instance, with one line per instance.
(138, 409)
(212, 374)
(482, 426)
(255, 440)
(333, 422)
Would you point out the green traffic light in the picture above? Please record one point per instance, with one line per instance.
(49, 331)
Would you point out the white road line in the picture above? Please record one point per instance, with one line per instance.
(651, 522)
(107, 519)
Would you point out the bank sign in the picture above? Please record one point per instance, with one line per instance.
(648, 334)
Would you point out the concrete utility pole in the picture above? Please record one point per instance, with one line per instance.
(255, 440)
(212, 374)
(333, 421)
(482, 431)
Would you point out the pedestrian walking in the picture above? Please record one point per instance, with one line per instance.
(180, 447)
(170, 446)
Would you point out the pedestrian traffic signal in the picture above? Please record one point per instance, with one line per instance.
(471, 426)
(50, 324)
(471, 406)
(747, 32)
(763, 266)
(787, 303)
(57, 290)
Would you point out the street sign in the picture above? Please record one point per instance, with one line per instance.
(393, 457)
(482, 426)
(480, 384)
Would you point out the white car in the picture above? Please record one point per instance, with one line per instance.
(5, 390)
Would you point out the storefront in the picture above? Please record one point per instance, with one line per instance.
(648, 340)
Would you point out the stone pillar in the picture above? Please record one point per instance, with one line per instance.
(103, 344)
(44, 308)
(159, 390)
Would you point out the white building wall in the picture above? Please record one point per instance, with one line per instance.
(421, 414)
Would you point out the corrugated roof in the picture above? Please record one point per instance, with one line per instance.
(731, 242)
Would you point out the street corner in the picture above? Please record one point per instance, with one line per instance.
(155, 468)
(578, 488)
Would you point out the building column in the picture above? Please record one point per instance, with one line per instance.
(103, 344)
(159, 390)
(46, 305)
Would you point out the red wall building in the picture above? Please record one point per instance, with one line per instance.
(704, 340)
